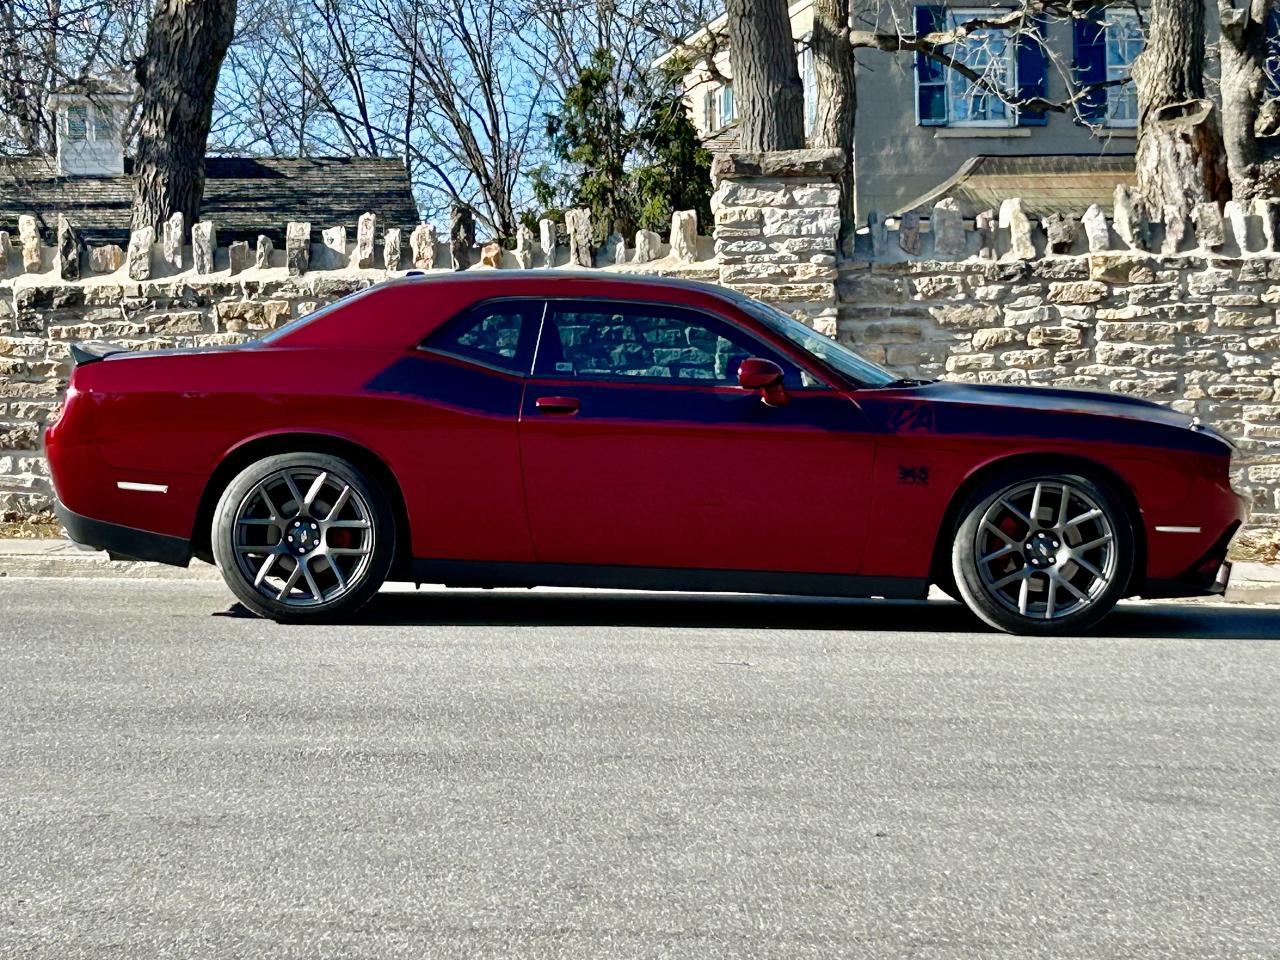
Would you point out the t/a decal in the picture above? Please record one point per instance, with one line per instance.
(914, 475)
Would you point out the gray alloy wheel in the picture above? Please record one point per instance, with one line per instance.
(303, 536)
(1043, 554)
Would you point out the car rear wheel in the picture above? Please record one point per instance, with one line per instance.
(303, 537)
(1043, 554)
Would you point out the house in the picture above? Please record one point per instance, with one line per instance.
(922, 126)
(89, 180)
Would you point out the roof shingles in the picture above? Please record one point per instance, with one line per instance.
(243, 196)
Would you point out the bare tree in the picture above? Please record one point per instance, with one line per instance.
(766, 80)
(1180, 161)
(837, 97)
(186, 42)
(1250, 112)
(46, 44)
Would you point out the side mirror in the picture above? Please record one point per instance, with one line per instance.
(756, 373)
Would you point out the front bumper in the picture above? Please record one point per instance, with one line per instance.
(124, 543)
(1210, 576)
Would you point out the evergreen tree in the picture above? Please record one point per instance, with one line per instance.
(625, 150)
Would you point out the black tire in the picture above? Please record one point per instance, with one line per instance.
(342, 565)
(1055, 558)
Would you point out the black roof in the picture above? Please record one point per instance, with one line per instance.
(243, 196)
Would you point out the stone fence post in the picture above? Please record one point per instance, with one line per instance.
(777, 229)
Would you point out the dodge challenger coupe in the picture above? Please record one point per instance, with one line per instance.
(504, 429)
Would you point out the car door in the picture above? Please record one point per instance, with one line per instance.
(460, 454)
(640, 449)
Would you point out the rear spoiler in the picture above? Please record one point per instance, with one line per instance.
(92, 352)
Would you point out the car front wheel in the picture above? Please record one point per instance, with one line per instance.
(1043, 554)
(303, 537)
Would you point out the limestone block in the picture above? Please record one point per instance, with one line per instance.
(1130, 220)
(909, 233)
(29, 239)
(262, 252)
(138, 258)
(238, 259)
(422, 246)
(878, 228)
(547, 241)
(107, 258)
(1268, 211)
(297, 248)
(947, 226)
(1096, 229)
(1062, 230)
(684, 235)
(4, 252)
(524, 247)
(1013, 217)
(391, 249)
(1077, 292)
(69, 247)
(1175, 231)
(173, 240)
(1237, 213)
(462, 236)
(334, 241)
(1211, 230)
(204, 241)
(366, 231)
(491, 255)
(577, 224)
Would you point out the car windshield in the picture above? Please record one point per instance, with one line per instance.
(833, 354)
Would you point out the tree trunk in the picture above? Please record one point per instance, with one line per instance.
(1180, 153)
(186, 41)
(1249, 136)
(766, 80)
(837, 98)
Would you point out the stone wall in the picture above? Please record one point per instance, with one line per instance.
(1187, 314)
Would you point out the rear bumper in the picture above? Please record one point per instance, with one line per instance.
(124, 543)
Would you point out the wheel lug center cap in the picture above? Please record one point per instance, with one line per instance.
(1042, 550)
(304, 536)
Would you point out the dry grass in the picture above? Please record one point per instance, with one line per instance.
(43, 526)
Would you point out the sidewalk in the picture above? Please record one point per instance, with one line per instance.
(1250, 582)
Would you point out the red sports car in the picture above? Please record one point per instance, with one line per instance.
(504, 429)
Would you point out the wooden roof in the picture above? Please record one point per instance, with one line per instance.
(243, 196)
(1061, 183)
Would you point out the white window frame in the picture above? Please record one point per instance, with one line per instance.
(83, 110)
(1114, 16)
(954, 17)
(726, 106)
(809, 80)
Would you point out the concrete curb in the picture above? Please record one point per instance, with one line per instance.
(1252, 583)
(62, 558)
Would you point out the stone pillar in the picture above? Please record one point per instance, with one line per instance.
(204, 241)
(297, 248)
(29, 238)
(777, 230)
(462, 236)
(69, 247)
(391, 249)
(577, 223)
(547, 240)
(422, 246)
(174, 237)
(366, 229)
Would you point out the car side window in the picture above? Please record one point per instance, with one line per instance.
(498, 334)
(639, 342)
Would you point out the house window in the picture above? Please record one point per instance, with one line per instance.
(987, 52)
(1124, 41)
(77, 122)
(718, 109)
(728, 113)
(1272, 66)
(809, 79)
(103, 124)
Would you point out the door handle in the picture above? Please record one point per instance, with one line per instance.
(564, 406)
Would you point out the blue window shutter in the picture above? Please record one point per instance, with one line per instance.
(1273, 53)
(1032, 70)
(931, 80)
(1090, 65)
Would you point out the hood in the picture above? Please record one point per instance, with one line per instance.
(961, 409)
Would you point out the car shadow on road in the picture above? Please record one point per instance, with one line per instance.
(483, 608)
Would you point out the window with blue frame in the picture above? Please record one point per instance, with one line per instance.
(1107, 42)
(1010, 65)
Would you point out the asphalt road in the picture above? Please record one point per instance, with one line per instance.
(546, 775)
